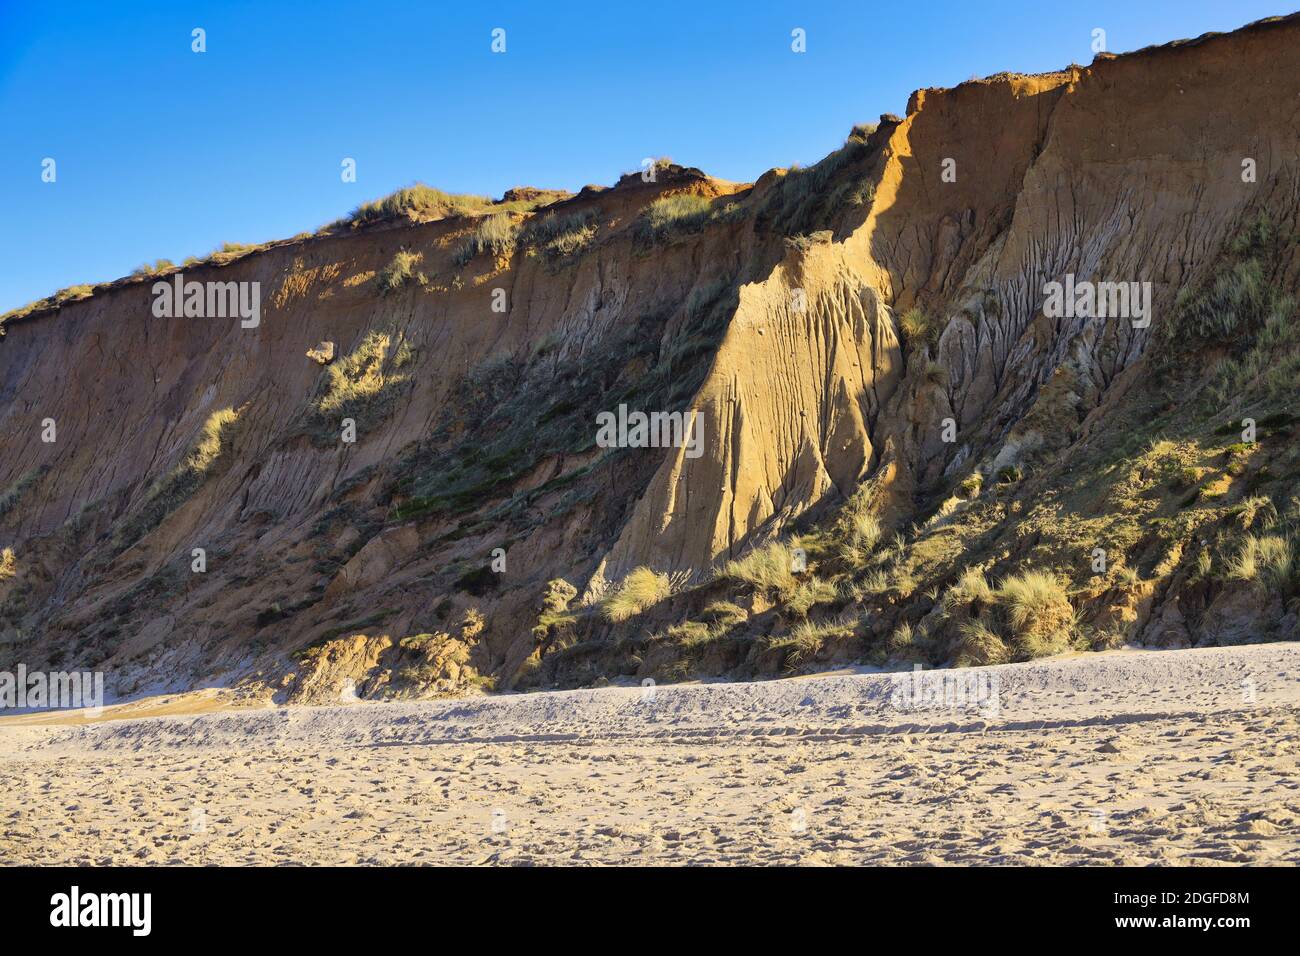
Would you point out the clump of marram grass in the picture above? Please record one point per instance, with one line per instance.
(902, 639)
(1127, 576)
(862, 532)
(75, 293)
(208, 446)
(494, 234)
(367, 374)
(980, 646)
(1255, 508)
(230, 251)
(418, 202)
(1204, 565)
(1237, 297)
(865, 531)
(1039, 612)
(174, 488)
(875, 582)
(971, 586)
(770, 568)
(903, 580)
(1027, 615)
(690, 635)
(724, 614)
(399, 272)
(145, 270)
(674, 215)
(808, 593)
(807, 638)
(558, 236)
(642, 588)
(1266, 559)
(920, 328)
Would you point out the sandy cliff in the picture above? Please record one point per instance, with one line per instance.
(869, 331)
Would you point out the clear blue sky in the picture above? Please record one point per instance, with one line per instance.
(165, 152)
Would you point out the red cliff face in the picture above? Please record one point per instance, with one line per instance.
(885, 404)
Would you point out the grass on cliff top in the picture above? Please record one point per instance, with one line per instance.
(418, 202)
(73, 293)
(682, 214)
(803, 201)
(226, 253)
(148, 270)
(421, 203)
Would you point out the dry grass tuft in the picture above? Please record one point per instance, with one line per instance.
(399, 272)
(1039, 612)
(769, 568)
(980, 645)
(368, 373)
(642, 588)
(494, 234)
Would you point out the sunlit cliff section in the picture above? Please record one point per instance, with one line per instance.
(905, 456)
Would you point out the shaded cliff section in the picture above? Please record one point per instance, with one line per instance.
(825, 325)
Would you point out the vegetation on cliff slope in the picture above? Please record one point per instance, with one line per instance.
(171, 491)
(1191, 486)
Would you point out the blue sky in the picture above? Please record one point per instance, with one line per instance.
(161, 151)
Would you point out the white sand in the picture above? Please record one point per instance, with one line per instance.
(1128, 757)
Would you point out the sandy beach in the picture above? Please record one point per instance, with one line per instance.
(1128, 757)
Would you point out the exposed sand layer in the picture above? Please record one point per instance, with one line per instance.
(1128, 757)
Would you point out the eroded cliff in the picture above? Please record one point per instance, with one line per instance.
(897, 433)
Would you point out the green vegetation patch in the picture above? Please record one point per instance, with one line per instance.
(804, 200)
(495, 234)
(681, 214)
(363, 385)
(178, 485)
(12, 495)
(558, 236)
